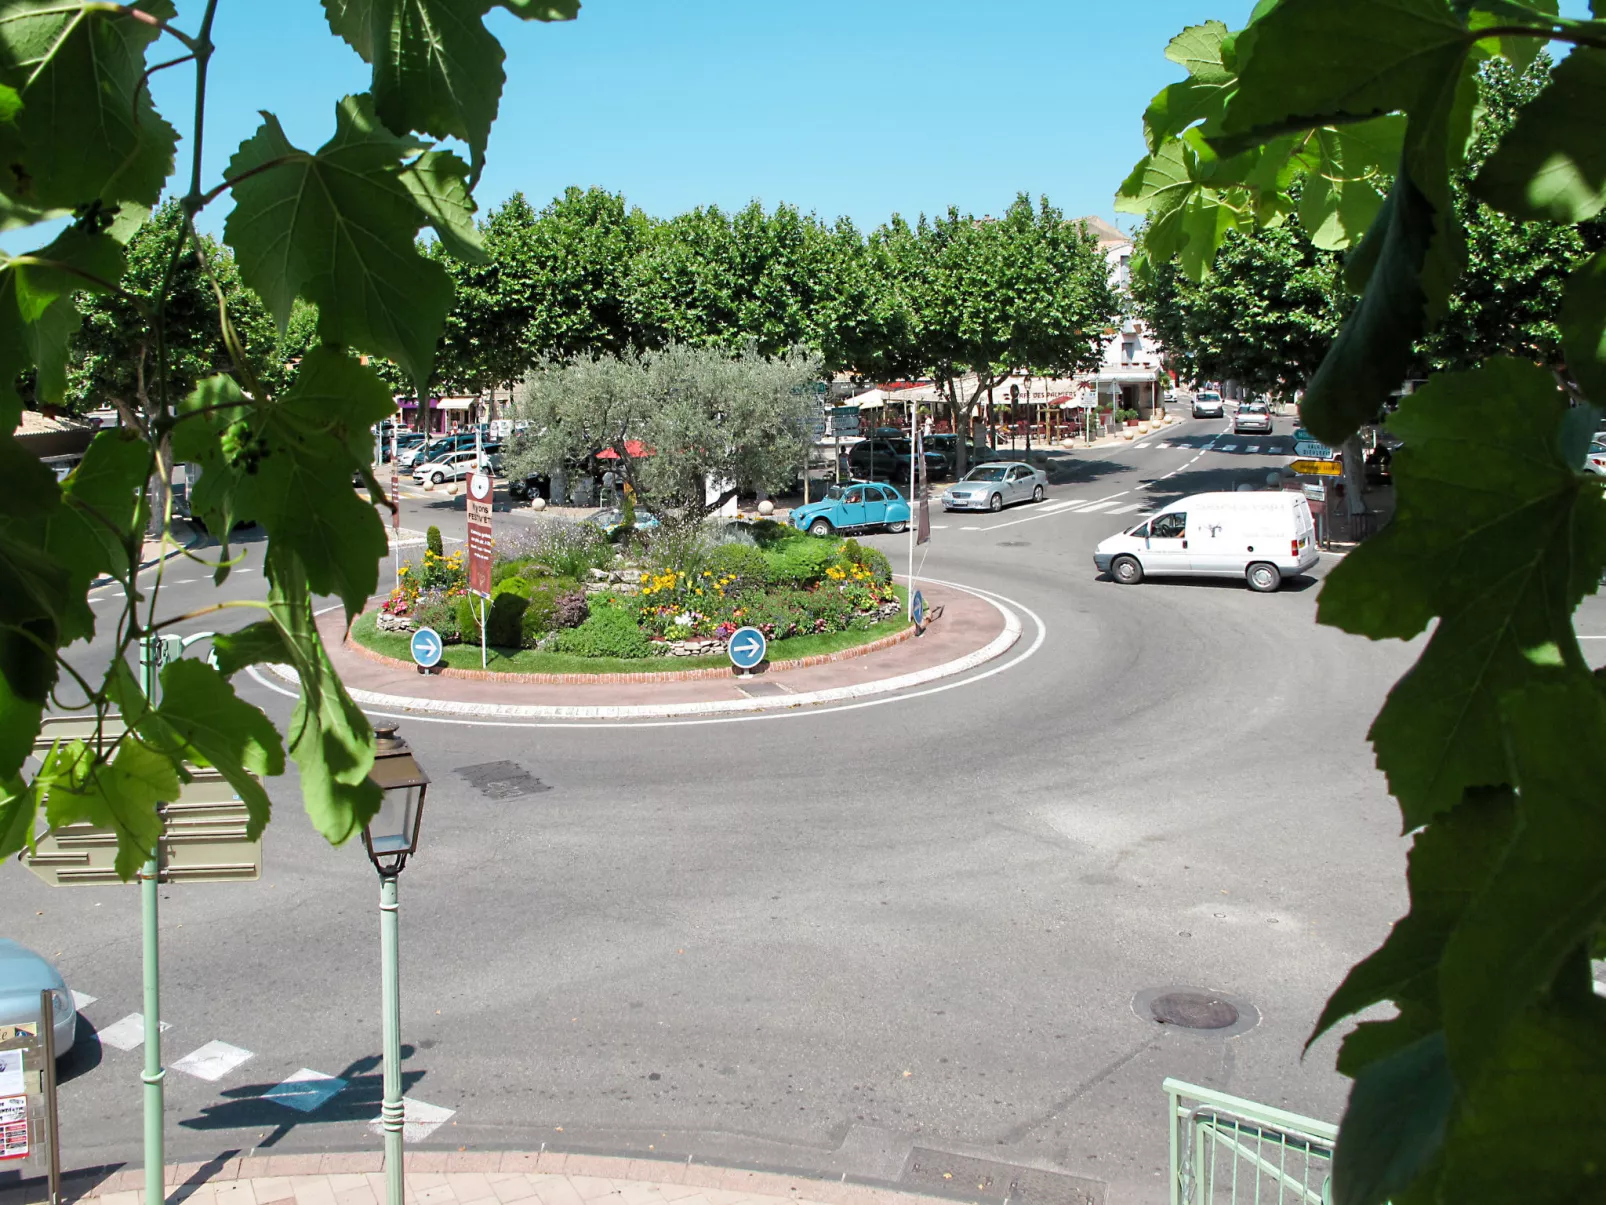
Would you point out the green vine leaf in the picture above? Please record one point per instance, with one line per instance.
(1499, 536)
(219, 729)
(19, 724)
(1548, 894)
(1530, 1128)
(1583, 326)
(103, 516)
(1552, 164)
(1449, 864)
(1395, 1124)
(1203, 95)
(437, 69)
(438, 181)
(19, 808)
(120, 794)
(291, 467)
(86, 129)
(338, 228)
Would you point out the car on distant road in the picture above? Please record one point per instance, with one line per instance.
(1207, 403)
(854, 506)
(454, 466)
(612, 518)
(994, 486)
(23, 975)
(889, 460)
(947, 446)
(1595, 459)
(1252, 417)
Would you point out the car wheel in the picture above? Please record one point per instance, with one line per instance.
(995, 503)
(897, 528)
(1264, 578)
(1126, 570)
(1037, 494)
(819, 528)
(439, 479)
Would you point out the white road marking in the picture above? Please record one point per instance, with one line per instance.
(127, 1034)
(1227, 448)
(939, 527)
(212, 1061)
(81, 1002)
(1125, 510)
(306, 1090)
(1087, 510)
(419, 1120)
(1054, 508)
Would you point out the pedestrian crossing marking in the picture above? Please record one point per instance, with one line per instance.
(1125, 510)
(305, 1091)
(127, 1034)
(212, 1061)
(419, 1120)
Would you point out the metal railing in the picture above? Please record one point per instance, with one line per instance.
(1225, 1149)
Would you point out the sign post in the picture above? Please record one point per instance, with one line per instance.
(395, 503)
(480, 546)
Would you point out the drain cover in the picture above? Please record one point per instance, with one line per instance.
(1193, 1010)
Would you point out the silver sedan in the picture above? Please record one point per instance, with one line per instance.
(23, 975)
(994, 486)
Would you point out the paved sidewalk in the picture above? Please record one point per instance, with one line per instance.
(458, 1178)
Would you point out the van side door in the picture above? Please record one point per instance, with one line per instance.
(1167, 550)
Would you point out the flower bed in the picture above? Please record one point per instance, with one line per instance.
(567, 592)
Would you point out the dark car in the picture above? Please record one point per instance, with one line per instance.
(529, 487)
(889, 460)
(947, 446)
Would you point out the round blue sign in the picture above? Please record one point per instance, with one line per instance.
(917, 608)
(427, 647)
(747, 647)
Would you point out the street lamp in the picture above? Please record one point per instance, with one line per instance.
(390, 837)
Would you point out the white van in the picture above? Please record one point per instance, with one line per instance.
(1261, 537)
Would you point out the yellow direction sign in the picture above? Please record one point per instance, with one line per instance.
(203, 831)
(1317, 468)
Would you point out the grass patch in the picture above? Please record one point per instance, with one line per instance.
(530, 661)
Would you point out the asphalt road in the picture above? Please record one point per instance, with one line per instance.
(824, 940)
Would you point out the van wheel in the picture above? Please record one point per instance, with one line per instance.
(1264, 578)
(995, 503)
(819, 528)
(1037, 494)
(1126, 570)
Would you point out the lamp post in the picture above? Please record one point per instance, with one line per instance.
(389, 838)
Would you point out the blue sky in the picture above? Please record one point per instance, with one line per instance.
(856, 107)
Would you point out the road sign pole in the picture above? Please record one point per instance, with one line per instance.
(150, 661)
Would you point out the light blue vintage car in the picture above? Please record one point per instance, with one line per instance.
(854, 506)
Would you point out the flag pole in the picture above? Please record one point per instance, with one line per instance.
(915, 461)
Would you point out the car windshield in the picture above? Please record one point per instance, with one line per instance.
(1208, 396)
(834, 492)
(990, 473)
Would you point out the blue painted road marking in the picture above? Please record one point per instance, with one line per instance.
(747, 647)
(427, 647)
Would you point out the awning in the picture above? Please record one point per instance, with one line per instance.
(1128, 376)
(873, 400)
(634, 449)
(454, 403)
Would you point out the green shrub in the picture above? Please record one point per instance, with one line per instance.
(468, 618)
(609, 632)
(799, 562)
(441, 615)
(873, 559)
(504, 623)
(678, 547)
(432, 540)
(513, 585)
(746, 565)
(545, 598)
(768, 532)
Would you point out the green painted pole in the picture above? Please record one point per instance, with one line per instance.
(149, 662)
(390, 1112)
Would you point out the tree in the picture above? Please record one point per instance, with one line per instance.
(1488, 1082)
(324, 238)
(713, 423)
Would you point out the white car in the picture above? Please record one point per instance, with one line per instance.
(993, 486)
(454, 466)
(1207, 404)
(1258, 537)
(1595, 459)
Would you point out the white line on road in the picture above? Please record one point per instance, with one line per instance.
(81, 1002)
(212, 1061)
(419, 1120)
(1126, 510)
(127, 1034)
(1087, 510)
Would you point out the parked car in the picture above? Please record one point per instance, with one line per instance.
(889, 460)
(404, 443)
(1594, 459)
(1207, 403)
(1252, 417)
(454, 466)
(23, 975)
(529, 487)
(947, 446)
(612, 518)
(1261, 538)
(434, 449)
(854, 506)
(994, 486)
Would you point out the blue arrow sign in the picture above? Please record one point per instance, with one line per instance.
(917, 608)
(747, 647)
(427, 647)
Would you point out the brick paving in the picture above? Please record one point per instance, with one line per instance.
(458, 1178)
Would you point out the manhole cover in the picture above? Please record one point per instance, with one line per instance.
(1193, 1010)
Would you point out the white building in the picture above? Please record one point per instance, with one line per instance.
(1132, 374)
